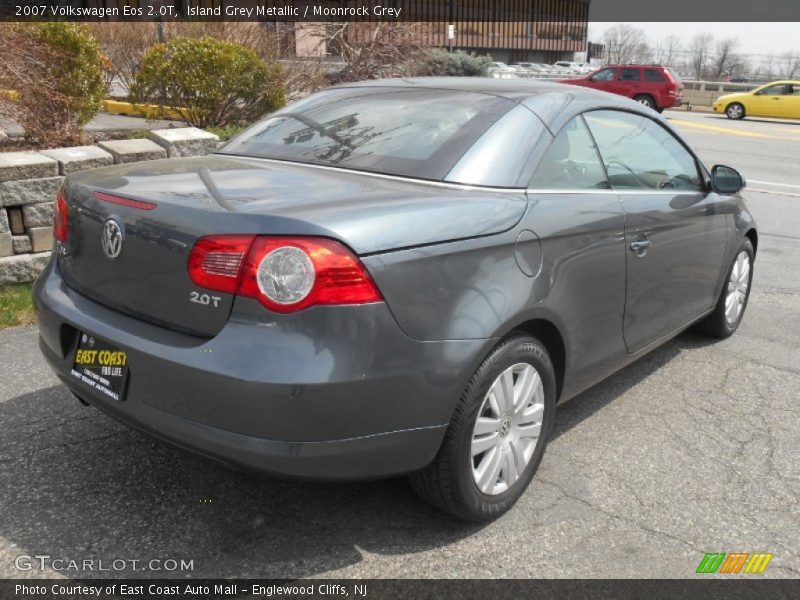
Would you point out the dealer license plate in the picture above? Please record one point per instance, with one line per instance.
(101, 366)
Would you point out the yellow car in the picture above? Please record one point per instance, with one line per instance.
(777, 99)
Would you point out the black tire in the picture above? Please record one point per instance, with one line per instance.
(448, 482)
(660, 109)
(647, 100)
(715, 324)
(735, 111)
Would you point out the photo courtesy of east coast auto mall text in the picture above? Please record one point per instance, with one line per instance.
(399, 299)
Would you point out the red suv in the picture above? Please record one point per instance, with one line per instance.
(652, 85)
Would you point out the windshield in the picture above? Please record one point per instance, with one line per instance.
(397, 131)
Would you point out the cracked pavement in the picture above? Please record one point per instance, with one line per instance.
(692, 449)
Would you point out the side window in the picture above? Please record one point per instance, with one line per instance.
(571, 162)
(629, 75)
(640, 154)
(653, 75)
(604, 75)
(776, 90)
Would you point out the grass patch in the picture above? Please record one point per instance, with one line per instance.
(16, 305)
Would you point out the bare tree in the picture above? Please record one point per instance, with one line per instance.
(667, 50)
(374, 50)
(700, 53)
(789, 65)
(766, 68)
(724, 61)
(624, 43)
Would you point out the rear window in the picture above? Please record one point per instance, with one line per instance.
(653, 75)
(395, 131)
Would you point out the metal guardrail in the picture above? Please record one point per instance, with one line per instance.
(725, 87)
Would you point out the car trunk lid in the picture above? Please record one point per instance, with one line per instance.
(163, 207)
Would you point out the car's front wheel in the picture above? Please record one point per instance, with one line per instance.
(732, 301)
(735, 111)
(497, 437)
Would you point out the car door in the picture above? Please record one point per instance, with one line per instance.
(675, 230)
(767, 102)
(629, 82)
(580, 223)
(790, 107)
(605, 80)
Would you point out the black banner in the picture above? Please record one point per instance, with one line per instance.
(733, 588)
(441, 11)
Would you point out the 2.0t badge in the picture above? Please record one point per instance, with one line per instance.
(112, 238)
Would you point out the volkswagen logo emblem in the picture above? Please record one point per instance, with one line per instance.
(111, 239)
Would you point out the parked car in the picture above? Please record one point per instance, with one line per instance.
(776, 99)
(502, 67)
(400, 276)
(654, 86)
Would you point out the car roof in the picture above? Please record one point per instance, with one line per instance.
(551, 101)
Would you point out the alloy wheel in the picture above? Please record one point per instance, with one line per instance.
(507, 428)
(738, 282)
(735, 111)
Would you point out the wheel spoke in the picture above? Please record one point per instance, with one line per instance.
(482, 444)
(507, 387)
(494, 403)
(518, 448)
(532, 414)
(486, 425)
(489, 470)
(529, 431)
(745, 273)
(510, 471)
(731, 306)
(525, 388)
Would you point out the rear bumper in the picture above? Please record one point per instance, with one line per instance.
(673, 101)
(330, 393)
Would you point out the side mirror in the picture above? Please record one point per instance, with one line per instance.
(726, 180)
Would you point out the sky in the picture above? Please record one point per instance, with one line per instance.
(754, 38)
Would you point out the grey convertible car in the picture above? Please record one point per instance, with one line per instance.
(392, 277)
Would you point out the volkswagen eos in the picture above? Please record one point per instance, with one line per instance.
(395, 277)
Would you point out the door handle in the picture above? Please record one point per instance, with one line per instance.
(640, 248)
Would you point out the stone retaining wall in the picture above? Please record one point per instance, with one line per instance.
(29, 182)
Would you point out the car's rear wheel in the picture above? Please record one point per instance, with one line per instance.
(735, 111)
(728, 313)
(646, 100)
(497, 437)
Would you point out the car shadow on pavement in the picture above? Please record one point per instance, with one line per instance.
(585, 404)
(77, 485)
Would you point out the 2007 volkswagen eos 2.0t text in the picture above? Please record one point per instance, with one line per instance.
(392, 277)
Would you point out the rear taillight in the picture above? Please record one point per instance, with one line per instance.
(60, 218)
(215, 262)
(285, 274)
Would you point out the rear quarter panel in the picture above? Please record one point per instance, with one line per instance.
(572, 249)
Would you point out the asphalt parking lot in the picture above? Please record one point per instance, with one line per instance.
(693, 449)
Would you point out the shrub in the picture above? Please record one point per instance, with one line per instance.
(209, 81)
(439, 62)
(57, 71)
